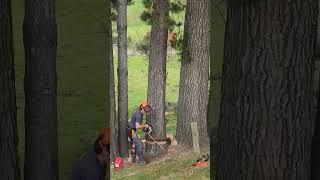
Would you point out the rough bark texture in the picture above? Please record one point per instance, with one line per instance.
(315, 155)
(210, 112)
(157, 74)
(40, 43)
(110, 98)
(113, 120)
(122, 78)
(194, 75)
(317, 53)
(266, 119)
(9, 160)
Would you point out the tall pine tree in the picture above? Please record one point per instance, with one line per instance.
(194, 75)
(266, 119)
(40, 86)
(8, 110)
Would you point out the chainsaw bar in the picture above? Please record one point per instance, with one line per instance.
(155, 141)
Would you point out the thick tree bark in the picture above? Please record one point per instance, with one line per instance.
(9, 159)
(40, 42)
(266, 119)
(122, 78)
(318, 49)
(110, 98)
(210, 112)
(194, 75)
(315, 155)
(157, 74)
(113, 120)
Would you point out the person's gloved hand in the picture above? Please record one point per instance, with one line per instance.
(147, 128)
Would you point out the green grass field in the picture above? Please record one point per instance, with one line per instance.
(136, 28)
(81, 64)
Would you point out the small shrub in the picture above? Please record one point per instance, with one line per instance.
(143, 47)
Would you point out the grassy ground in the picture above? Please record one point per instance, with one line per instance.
(81, 76)
(178, 167)
(136, 28)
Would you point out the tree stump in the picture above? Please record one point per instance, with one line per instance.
(156, 151)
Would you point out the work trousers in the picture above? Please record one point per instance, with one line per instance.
(139, 147)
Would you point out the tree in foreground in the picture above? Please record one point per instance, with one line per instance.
(110, 95)
(157, 73)
(8, 111)
(315, 155)
(266, 120)
(40, 86)
(113, 119)
(211, 110)
(194, 75)
(122, 78)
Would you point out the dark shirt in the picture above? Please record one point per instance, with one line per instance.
(136, 117)
(88, 168)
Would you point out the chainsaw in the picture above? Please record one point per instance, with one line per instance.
(148, 130)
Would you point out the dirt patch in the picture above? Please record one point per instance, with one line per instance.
(172, 151)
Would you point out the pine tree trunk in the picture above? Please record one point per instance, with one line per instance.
(194, 75)
(109, 80)
(157, 74)
(315, 155)
(122, 78)
(113, 120)
(40, 42)
(9, 159)
(210, 112)
(266, 119)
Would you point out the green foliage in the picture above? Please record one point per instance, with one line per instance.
(114, 4)
(143, 46)
(146, 16)
(177, 44)
(114, 15)
(171, 24)
(176, 8)
(130, 2)
(147, 4)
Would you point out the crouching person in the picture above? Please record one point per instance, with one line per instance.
(134, 125)
(93, 164)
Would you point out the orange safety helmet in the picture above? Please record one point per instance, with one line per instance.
(144, 104)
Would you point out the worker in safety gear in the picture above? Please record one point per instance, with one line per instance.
(93, 164)
(134, 125)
